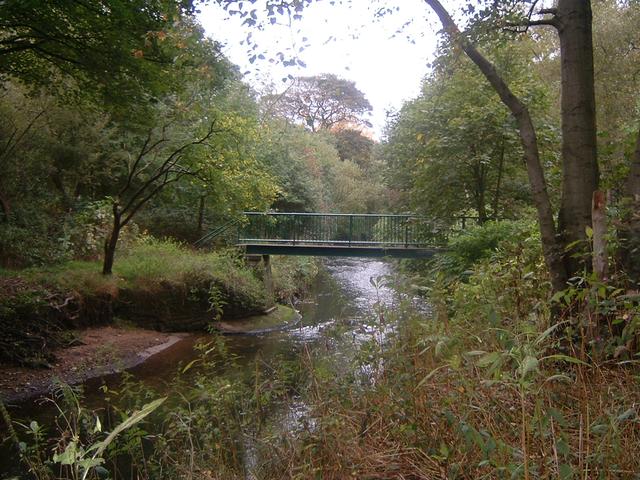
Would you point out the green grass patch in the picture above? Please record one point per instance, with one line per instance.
(156, 284)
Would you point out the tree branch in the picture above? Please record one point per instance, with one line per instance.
(528, 138)
(8, 148)
(165, 168)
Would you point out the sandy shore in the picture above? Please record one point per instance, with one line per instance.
(102, 350)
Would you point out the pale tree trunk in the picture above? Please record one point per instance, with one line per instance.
(599, 239)
(551, 247)
(579, 147)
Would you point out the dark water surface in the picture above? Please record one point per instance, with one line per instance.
(345, 297)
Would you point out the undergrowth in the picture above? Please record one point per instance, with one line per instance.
(495, 384)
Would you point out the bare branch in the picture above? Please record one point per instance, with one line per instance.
(165, 168)
(10, 147)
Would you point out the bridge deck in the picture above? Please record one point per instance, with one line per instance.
(336, 250)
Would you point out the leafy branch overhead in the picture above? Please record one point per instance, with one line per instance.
(115, 53)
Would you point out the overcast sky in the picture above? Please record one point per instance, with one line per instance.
(387, 68)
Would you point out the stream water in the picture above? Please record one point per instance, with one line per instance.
(345, 298)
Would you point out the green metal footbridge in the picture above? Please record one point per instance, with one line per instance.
(333, 234)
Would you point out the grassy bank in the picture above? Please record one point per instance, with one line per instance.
(156, 284)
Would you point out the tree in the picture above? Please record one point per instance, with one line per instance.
(116, 50)
(630, 228)
(206, 137)
(617, 57)
(300, 161)
(353, 145)
(572, 19)
(458, 144)
(320, 102)
(564, 242)
(13, 134)
(153, 168)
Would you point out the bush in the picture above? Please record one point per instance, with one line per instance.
(292, 275)
(85, 231)
(480, 242)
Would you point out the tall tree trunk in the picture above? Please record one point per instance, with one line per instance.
(551, 247)
(579, 148)
(479, 192)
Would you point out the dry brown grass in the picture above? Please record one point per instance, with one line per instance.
(456, 425)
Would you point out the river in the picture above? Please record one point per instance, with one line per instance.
(346, 307)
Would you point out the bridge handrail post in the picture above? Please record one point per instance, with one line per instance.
(350, 228)
(406, 233)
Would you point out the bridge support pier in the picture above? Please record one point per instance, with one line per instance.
(268, 277)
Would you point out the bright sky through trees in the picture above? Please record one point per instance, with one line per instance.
(387, 68)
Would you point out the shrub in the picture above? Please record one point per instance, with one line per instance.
(478, 243)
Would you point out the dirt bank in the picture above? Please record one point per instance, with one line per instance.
(100, 351)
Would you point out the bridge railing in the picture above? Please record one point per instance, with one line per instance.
(340, 229)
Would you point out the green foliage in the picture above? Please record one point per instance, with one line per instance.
(159, 284)
(481, 242)
(605, 319)
(292, 276)
(455, 149)
(80, 452)
(312, 177)
(65, 47)
(486, 392)
(355, 190)
(221, 279)
(85, 230)
(616, 96)
(299, 161)
(209, 409)
(66, 165)
(493, 271)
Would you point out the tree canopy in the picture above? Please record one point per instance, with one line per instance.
(321, 102)
(118, 53)
(455, 147)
